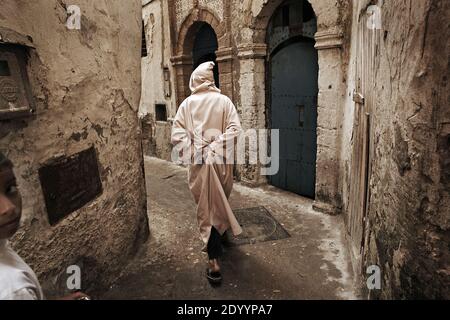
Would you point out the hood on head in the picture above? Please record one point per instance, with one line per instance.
(203, 78)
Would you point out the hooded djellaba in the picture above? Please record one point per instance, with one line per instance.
(204, 133)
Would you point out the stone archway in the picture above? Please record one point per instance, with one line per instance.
(183, 59)
(205, 48)
(329, 42)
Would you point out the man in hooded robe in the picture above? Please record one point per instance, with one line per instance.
(204, 132)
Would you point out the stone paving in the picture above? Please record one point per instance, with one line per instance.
(313, 263)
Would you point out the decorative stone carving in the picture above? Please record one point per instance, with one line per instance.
(252, 51)
(224, 54)
(329, 39)
(181, 60)
(182, 9)
(215, 6)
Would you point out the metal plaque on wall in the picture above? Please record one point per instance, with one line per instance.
(69, 183)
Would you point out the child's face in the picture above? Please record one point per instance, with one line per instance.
(10, 204)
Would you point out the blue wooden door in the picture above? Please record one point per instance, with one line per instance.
(294, 88)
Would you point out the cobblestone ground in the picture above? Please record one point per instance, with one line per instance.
(311, 264)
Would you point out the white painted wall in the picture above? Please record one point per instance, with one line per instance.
(157, 28)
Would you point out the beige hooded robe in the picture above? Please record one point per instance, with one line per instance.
(207, 125)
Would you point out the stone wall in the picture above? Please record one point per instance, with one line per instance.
(158, 78)
(249, 35)
(157, 30)
(408, 229)
(86, 86)
(240, 27)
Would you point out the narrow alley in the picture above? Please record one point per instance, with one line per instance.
(311, 263)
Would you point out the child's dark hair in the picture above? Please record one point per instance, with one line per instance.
(5, 162)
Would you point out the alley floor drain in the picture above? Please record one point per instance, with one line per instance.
(259, 226)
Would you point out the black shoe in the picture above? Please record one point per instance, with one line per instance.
(215, 278)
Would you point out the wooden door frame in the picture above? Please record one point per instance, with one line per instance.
(363, 137)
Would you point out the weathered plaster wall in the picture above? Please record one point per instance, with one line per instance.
(409, 207)
(158, 36)
(86, 85)
(158, 47)
(152, 65)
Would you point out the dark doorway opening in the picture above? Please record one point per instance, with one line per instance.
(205, 47)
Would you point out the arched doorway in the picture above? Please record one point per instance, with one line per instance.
(203, 30)
(293, 89)
(205, 47)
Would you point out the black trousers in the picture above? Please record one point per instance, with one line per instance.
(215, 249)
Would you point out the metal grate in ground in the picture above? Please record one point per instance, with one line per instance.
(259, 226)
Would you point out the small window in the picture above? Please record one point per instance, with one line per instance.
(161, 112)
(4, 69)
(144, 52)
